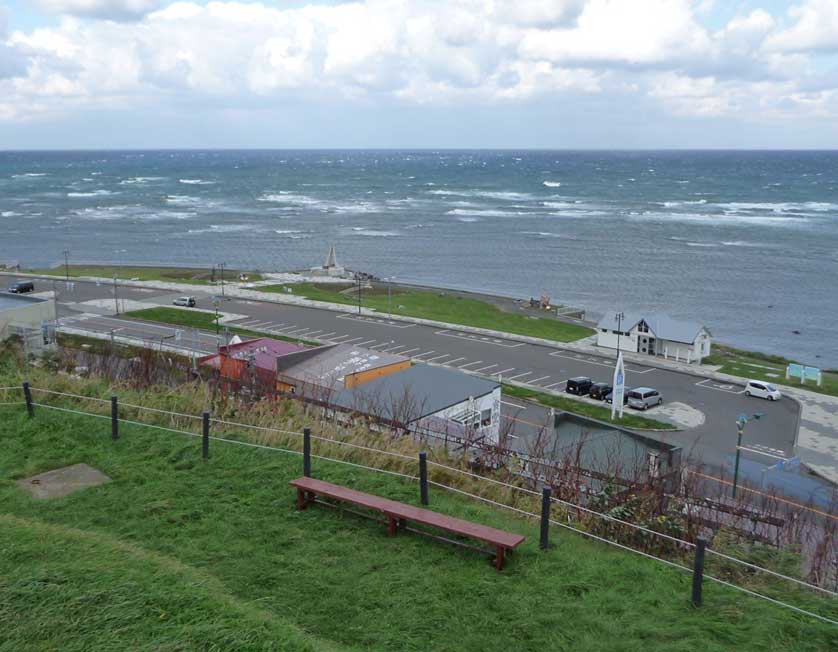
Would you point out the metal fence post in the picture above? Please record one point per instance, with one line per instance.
(423, 477)
(307, 452)
(114, 418)
(205, 435)
(698, 570)
(545, 518)
(27, 392)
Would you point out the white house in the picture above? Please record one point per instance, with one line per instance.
(654, 334)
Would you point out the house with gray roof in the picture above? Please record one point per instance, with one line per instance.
(654, 334)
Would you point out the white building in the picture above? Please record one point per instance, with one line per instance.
(655, 334)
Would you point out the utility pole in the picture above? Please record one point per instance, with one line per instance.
(66, 253)
(115, 299)
(619, 316)
(358, 276)
(389, 280)
(221, 267)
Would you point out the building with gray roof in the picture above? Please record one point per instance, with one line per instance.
(654, 334)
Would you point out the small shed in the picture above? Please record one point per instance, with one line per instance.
(655, 334)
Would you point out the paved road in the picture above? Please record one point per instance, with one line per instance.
(539, 366)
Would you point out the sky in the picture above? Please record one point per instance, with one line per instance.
(563, 74)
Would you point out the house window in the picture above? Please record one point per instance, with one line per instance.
(642, 327)
(486, 417)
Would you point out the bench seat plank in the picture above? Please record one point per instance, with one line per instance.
(394, 509)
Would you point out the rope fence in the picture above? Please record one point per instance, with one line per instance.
(306, 435)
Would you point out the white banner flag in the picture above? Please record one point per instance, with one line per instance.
(619, 387)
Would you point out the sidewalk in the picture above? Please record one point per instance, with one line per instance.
(817, 439)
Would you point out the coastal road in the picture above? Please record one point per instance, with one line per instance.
(541, 367)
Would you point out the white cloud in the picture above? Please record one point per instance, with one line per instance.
(237, 56)
(815, 27)
(122, 10)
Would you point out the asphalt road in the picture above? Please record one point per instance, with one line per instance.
(543, 367)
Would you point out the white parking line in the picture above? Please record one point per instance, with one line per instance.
(354, 339)
(554, 385)
(419, 355)
(758, 452)
(393, 348)
(439, 357)
(365, 343)
(485, 368)
(533, 382)
(376, 320)
(526, 373)
(500, 373)
(470, 364)
(287, 328)
(450, 362)
(480, 338)
(720, 387)
(339, 338)
(298, 331)
(325, 335)
(314, 332)
(409, 351)
(592, 360)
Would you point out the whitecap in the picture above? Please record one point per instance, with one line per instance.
(95, 193)
(9, 214)
(135, 180)
(688, 202)
(552, 184)
(196, 182)
(488, 194)
(374, 233)
(486, 212)
(26, 175)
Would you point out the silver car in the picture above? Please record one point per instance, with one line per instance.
(642, 398)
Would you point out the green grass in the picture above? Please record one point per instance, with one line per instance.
(181, 554)
(762, 366)
(200, 276)
(574, 406)
(446, 308)
(200, 320)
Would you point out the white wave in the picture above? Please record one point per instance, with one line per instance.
(745, 243)
(548, 234)
(560, 204)
(488, 194)
(287, 231)
(182, 199)
(689, 202)
(167, 215)
(26, 175)
(223, 228)
(779, 207)
(285, 197)
(95, 193)
(578, 213)
(552, 184)
(9, 214)
(468, 219)
(724, 219)
(360, 207)
(702, 244)
(486, 212)
(196, 182)
(135, 180)
(374, 233)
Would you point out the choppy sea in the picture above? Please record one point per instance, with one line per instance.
(746, 242)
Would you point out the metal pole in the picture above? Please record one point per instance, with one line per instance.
(114, 418)
(359, 295)
(216, 320)
(736, 465)
(698, 570)
(222, 278)
(423, 477)
(389, 312)
(205, 435)
(545, 518)
(67, 264)
(307, 452)
(27, 392)
(619, 317)
(115, 300)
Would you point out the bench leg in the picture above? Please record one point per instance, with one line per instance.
(392, 526)
(301, 499)
(499, 557)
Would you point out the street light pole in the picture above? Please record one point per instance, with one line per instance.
(66, 264)
(221, 267)
(115, 299)
(359, 293)
(389, 287)
(741, 422)
(619, 316)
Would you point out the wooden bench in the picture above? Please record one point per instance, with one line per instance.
(398, 514)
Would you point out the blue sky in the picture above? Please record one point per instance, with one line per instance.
(419, 73)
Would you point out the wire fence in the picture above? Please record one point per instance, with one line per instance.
(447, 487)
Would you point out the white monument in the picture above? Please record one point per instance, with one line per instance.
(330, 267)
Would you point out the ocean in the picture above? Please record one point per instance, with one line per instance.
(745, 242)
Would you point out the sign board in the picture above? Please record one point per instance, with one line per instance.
(619, 387)
(795, 370)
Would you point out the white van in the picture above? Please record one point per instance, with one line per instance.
(761, 389)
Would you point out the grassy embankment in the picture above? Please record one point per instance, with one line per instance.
(762, 366)
(202, 321)
(180, 554)
(600, 412)
(443, 307)
(198, 276)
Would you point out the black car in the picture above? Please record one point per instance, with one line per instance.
(609, 397)
(599, 390)
(22, 286)
(579, 385)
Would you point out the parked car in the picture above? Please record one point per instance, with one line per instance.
(21, 287)
(762, 389)
(643, 398)
(188, 302)
(609, 397)
(599, 390)
(579, 385)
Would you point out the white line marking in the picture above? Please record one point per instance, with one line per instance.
(365, 343)
(419, 355)
(314, 332)
(450, 362)
(339, 338)
(500, 373)
(719, 387)
(480, 339)
(526, 373)
(409, 351)
(325, 335)
(393, 348)
(376, 320)
(533, 382)
(591, 360)
(439, 357)
(554, 385)
(753, 450)
(354, 339)
(287, 328)
(520, 407)
(463, 366)
(485, 368)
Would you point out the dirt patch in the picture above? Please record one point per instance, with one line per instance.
(62, 482)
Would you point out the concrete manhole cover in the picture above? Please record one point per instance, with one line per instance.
(62, 482)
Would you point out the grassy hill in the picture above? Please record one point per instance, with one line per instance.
(181, 554)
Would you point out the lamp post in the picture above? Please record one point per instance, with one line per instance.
(221, 269)
(619, 317)
(66, 253)
(389, 280)
(741, 422)
(215, 303)
(358, 276)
